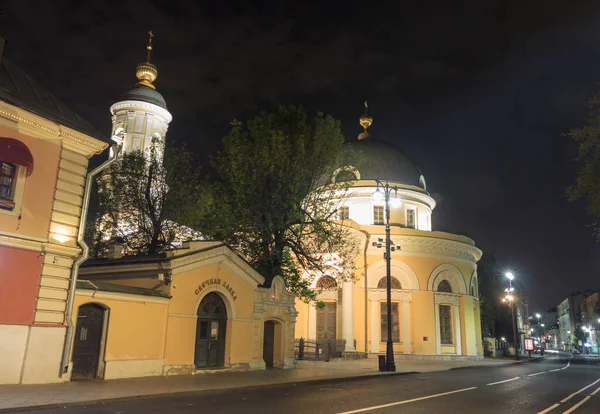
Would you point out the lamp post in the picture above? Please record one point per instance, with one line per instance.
(390, 365)
(509, 298)
(538, 316)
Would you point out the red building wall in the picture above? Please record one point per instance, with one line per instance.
(20, 272)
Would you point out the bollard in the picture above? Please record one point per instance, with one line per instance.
(301, 349)
(381, 362)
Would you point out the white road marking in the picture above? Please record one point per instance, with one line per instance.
(501, 382)
(554, 370)
(537, 373)
(594, 393)
(552, 407)
(376, 407)
(568, 364)
(577, 392)
(579, 404)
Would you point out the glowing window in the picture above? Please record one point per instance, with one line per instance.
(382, 284)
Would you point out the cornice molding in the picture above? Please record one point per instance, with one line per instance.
(142, 106)
(446, 299)
(39, 127)
(432, 246)
(38, 245)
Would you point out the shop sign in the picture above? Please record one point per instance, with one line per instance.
(216, 281)
(529, 346)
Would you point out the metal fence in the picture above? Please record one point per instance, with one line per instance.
(313, 350)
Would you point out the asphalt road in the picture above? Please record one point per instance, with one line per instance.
(560, 384)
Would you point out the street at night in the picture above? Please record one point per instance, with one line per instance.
(556, 384)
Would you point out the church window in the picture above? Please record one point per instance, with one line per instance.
(395, 322)
(378, 215)
(344, 213)
(446, 334)
(410, 218)
(326, 282)
(444, 286)
(382, 284)
(346, 175)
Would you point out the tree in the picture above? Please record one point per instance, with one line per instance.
(274, 199)
(145, 200)
(490, 292)
(587, 183)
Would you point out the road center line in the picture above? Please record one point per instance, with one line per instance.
(376, 407)
(501, 382)
(552, 407)
(554, 370)
(579, 404)
(577, 392)
(594, 393)
(537, 373)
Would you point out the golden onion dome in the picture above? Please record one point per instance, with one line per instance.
(365, 121)
(146, 73)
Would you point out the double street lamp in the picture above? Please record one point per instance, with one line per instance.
(510, 299)
(384, 190)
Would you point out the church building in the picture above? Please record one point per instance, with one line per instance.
(435, 302)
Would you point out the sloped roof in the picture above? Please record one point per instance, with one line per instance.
(113, 287)
(21, 90)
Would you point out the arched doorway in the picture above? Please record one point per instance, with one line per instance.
(210, 332)
(87, 346)
(272, 344)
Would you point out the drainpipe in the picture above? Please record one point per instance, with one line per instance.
(115, 150)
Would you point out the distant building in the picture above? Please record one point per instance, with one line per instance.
(590, 321)
(569, 318)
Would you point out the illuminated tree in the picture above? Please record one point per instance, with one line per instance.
(274, 199)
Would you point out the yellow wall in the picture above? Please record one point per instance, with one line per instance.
(136, 329)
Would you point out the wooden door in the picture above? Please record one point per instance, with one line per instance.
(269, 343)
(326, 322)
(87, 342)
(210, 332)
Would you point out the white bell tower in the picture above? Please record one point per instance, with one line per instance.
(140, 116)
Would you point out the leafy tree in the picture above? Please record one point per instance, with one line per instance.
(145, 200)
(274, 199)
(587, 183)
(578, 335)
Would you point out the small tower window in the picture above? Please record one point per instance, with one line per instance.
(344, 213)
(410, 218)
(377, 214)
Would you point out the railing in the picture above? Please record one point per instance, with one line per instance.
(313, 350)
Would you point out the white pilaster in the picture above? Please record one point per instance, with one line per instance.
(312, 322)
(406, 327)
(375, 326)
(456, 311)
(348, 314)
(438, 338)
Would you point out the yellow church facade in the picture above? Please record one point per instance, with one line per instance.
(435, 303)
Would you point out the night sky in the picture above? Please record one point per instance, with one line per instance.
(477, 92)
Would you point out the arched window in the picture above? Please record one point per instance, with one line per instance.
(345, 175)
(444, 286)
(382, 284)
(326, 282)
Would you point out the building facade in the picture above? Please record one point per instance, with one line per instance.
(194, 308)
(434, 274)
(44, 152)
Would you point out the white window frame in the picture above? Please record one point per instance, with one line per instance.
(414, 214)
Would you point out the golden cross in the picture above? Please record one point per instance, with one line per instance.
(149, 46)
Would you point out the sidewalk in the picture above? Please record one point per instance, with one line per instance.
(21, 397)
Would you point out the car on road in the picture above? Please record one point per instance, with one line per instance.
(576, 352)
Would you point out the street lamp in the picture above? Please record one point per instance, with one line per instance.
(511, 299)
(390, 365)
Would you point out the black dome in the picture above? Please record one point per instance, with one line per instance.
(145, 94)
(384, 161)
